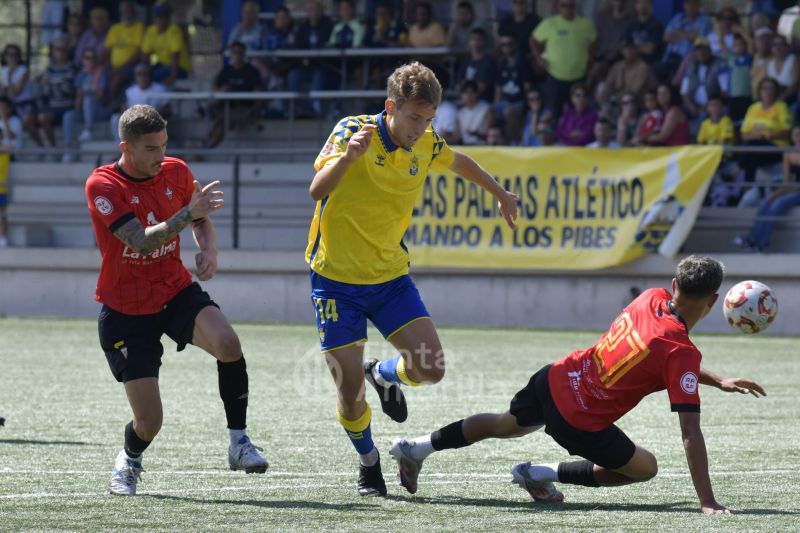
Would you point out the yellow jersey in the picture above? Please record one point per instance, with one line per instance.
(124, 40)
(162, 45)
(356, 235)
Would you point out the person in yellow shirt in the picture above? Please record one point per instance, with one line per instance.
(165, 43)
(123, 45)
(369, 175)
(766, 123)
(717, 128)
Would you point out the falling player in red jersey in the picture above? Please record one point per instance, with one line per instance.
(578, 398)
(139, 205)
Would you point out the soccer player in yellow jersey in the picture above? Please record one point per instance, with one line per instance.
(369, 175)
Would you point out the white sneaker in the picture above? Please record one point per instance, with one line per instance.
(540, 491)
(406, 464)
(244, 456)
(126, 473)
(85, 135)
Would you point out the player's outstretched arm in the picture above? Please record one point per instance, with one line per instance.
(329, 176)
(146, 239)
(695, 447)
(465, 166)
(740, 385)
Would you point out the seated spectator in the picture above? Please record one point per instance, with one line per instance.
(739, 66)
(475, 116)
(576, 125)
(611, 21)
(348, 32)
(513, 78)
(494, 137)
(91, 96)
(603, 135)
(603, 101)
(520, 23)
(425, 32)
(682, 31)
(10, 127)
(445, 122)
(726, 26)
(478, 65)
(766, 123)
(280, 34)
(651, 120)
(311, 74)
(385, 31)
(75, 27)
(15, 83)
(783, 67)
(58, 97)
(674, 130)
(646, 32)
(705, 75)
(631, 74)
(165, 44)
(123, 44)
(778, 203)
(761, 57)
(238, 76)
(94, 37)
(143, 91)
(717, 128)
(464, 22)
(249, 31)
(538, 116)
(628, 119)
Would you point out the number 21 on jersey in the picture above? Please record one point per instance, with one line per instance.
(619, 351)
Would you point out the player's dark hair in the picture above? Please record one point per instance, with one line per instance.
(140, 120)
(699, 276)
(414, 82)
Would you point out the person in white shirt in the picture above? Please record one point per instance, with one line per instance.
(603, 135)
(445, 123)
(141, 92)
(475, 116)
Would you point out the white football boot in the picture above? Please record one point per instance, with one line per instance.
(540, 491)
(407, 466)
(127, 472)
(244, 456)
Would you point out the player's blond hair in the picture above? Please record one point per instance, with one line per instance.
(414, 82)
(140, 120)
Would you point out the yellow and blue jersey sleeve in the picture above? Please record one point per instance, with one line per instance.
(442, 155)
(337, 141)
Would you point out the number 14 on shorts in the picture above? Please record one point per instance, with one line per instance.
(326, 310)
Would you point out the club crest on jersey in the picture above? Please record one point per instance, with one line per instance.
(134, 200)
(380, 160)
(103, 205)
(414, 166)
(168, 192)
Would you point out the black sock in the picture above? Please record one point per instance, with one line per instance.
(449, 437)
(134, 445)
(577, 473)
(233, 391)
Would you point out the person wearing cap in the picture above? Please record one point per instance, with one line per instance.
(705, 76)
(631, 74)
(681, 32)
(165, 43)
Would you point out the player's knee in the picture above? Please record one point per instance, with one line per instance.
(648, 470)
(147, 427)
(228, 347)
(434, 373)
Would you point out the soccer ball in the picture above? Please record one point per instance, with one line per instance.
(750, 307)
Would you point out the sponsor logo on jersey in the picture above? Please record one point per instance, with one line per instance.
(689, 383)
(165, 249)
(168, 192)
(103, 205)
(134, 200)
(151, 219)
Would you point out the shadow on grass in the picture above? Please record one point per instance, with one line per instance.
(271, 504)
(49, 442)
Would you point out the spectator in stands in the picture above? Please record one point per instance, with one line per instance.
(681, 33)
(651, 120)
(611, 22)
(348, 32)
(603, 134)
(705, 75)
(494, 137)
(143, 91)
(603, 101)
(464, 22)
(761, 57)
(15, 83)
(778, 203)
(739, 65)
(631, 74)
(93, 37)
(280, 34)
(165, 44)
(576, 125)
(312, 33)
(478, 65)
(563, 45)
(238, 76)
(718, 129)
(249, 31)
(58, 92)
(767, 123)
(475, 116)
(675, 129)
(513, 79)
(726, 26)
(425, 32)
(646, 32)
(91, 97)
(628, 120)
(385, 30)
(520, 23)
(784, 68)
(445, 122)
(10, 127)
(123, 44)
(75, 27)
(537, 117)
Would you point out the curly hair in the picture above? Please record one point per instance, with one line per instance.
(414, 82)
(699, 276)
(140, 120)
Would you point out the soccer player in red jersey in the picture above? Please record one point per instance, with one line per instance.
(578, 398)
(139, 205)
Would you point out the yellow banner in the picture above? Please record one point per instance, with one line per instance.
(579, 208)
(5, 159)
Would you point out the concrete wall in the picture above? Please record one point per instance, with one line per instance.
(273, 286)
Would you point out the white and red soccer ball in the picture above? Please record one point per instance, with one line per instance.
(750, 307)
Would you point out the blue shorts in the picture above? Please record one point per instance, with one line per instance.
(3, 199)
(342, 309)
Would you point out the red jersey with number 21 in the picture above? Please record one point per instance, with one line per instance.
(646, 350)
(130, 282)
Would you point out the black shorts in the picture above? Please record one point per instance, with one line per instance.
(132, 343)
(533, 406)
